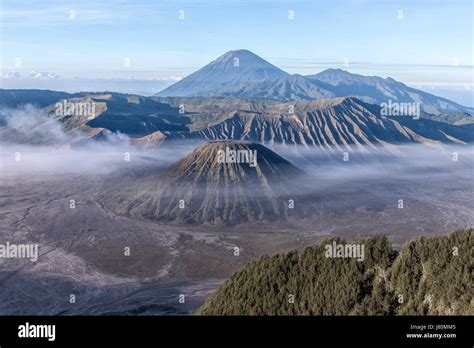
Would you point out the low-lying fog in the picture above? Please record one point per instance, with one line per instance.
(366, 164)
(412, 161)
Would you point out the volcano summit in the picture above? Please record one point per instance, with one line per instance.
(219, 182)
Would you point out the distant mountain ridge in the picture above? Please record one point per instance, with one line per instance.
(326, 123)
(331, 124)
(242, 74)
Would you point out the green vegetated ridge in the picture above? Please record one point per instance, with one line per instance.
(433, 274)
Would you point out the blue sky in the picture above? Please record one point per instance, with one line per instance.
(431, 44)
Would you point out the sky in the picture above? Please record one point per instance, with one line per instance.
(422, 42)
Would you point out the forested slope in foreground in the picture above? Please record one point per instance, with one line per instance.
(428, 276)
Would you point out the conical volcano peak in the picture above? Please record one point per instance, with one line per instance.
(235, 160)
(247, 58)
(239, 65)
(219, 182)
(234, 70)
(238, 53)
(241, 51)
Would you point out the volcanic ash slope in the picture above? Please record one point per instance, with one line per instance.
(208, 186)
